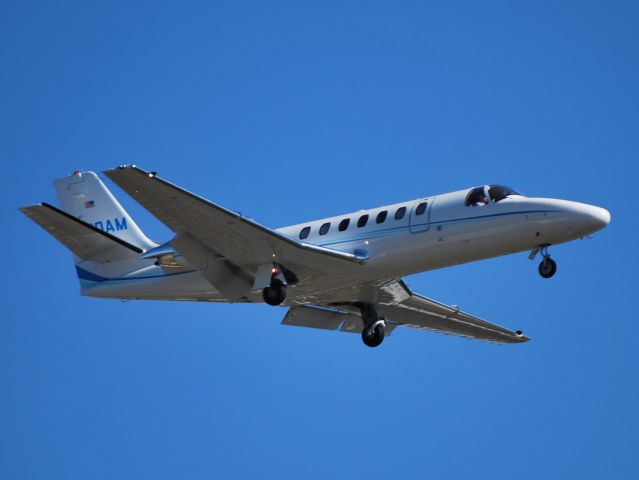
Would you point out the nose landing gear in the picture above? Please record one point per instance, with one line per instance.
(547, 267)
(374, 327)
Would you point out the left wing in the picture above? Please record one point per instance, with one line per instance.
(241, 243)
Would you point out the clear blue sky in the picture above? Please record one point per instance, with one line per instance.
(289, 112)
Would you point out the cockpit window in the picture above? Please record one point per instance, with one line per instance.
(477, 197)
(499, 192)
(480, 196)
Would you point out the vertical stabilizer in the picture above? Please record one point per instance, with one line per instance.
(86, 197)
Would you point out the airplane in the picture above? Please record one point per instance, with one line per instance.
(341, 273)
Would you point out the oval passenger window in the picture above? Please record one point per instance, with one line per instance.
(324, 228)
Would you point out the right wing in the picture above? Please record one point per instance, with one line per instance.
(400, 307)
(423, 313)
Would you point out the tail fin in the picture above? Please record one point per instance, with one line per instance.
(105, 241)
(84, 196)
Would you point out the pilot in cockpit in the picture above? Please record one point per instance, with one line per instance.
(482, 196)
(477, 197)
(481, 201)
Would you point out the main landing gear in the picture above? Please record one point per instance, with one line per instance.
(547, 267)
(275, 293)
(374, 331)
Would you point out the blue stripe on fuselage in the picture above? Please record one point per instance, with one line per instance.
(387, 231)
(92, 277)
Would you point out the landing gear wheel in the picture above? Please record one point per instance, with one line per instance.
(275, 293)
(547, 267)
(373, 336)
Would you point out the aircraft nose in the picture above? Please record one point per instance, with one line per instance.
(593, 218)
(600, 217)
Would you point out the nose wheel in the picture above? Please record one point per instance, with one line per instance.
(547, 267)
(374, 328)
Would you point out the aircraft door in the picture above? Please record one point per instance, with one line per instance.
(420, 215)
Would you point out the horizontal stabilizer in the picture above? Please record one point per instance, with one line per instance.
(83, 239)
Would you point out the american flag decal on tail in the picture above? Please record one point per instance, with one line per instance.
(89, 204)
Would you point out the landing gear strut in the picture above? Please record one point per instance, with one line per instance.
(547, 267)
(275, 293)
(374, 331)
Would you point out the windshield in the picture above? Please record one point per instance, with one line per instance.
(499, 192)
(477, 197)
(481, 196)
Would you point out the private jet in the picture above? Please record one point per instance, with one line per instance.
(343, 273)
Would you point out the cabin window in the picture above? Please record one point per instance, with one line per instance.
(363, 220)
(304, 233)
(381, 216)
(324, 228)
(343, 225)
(421, 208)
(399, 214)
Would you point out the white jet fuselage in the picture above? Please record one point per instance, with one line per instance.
(342, 273)
(444, 232)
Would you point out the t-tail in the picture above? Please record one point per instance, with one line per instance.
(104, 239)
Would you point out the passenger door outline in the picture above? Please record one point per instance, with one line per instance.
(420, 223)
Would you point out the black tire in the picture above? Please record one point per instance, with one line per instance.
(373, 337)
(275, 293)
(547, 268)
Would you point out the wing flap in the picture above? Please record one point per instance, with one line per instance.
(315, 317)
(225, 277)
(312, 316)
(83, 239)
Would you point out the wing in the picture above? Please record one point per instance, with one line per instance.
(241, 243)
(83, 239)
(417, 311)
(400, 307)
